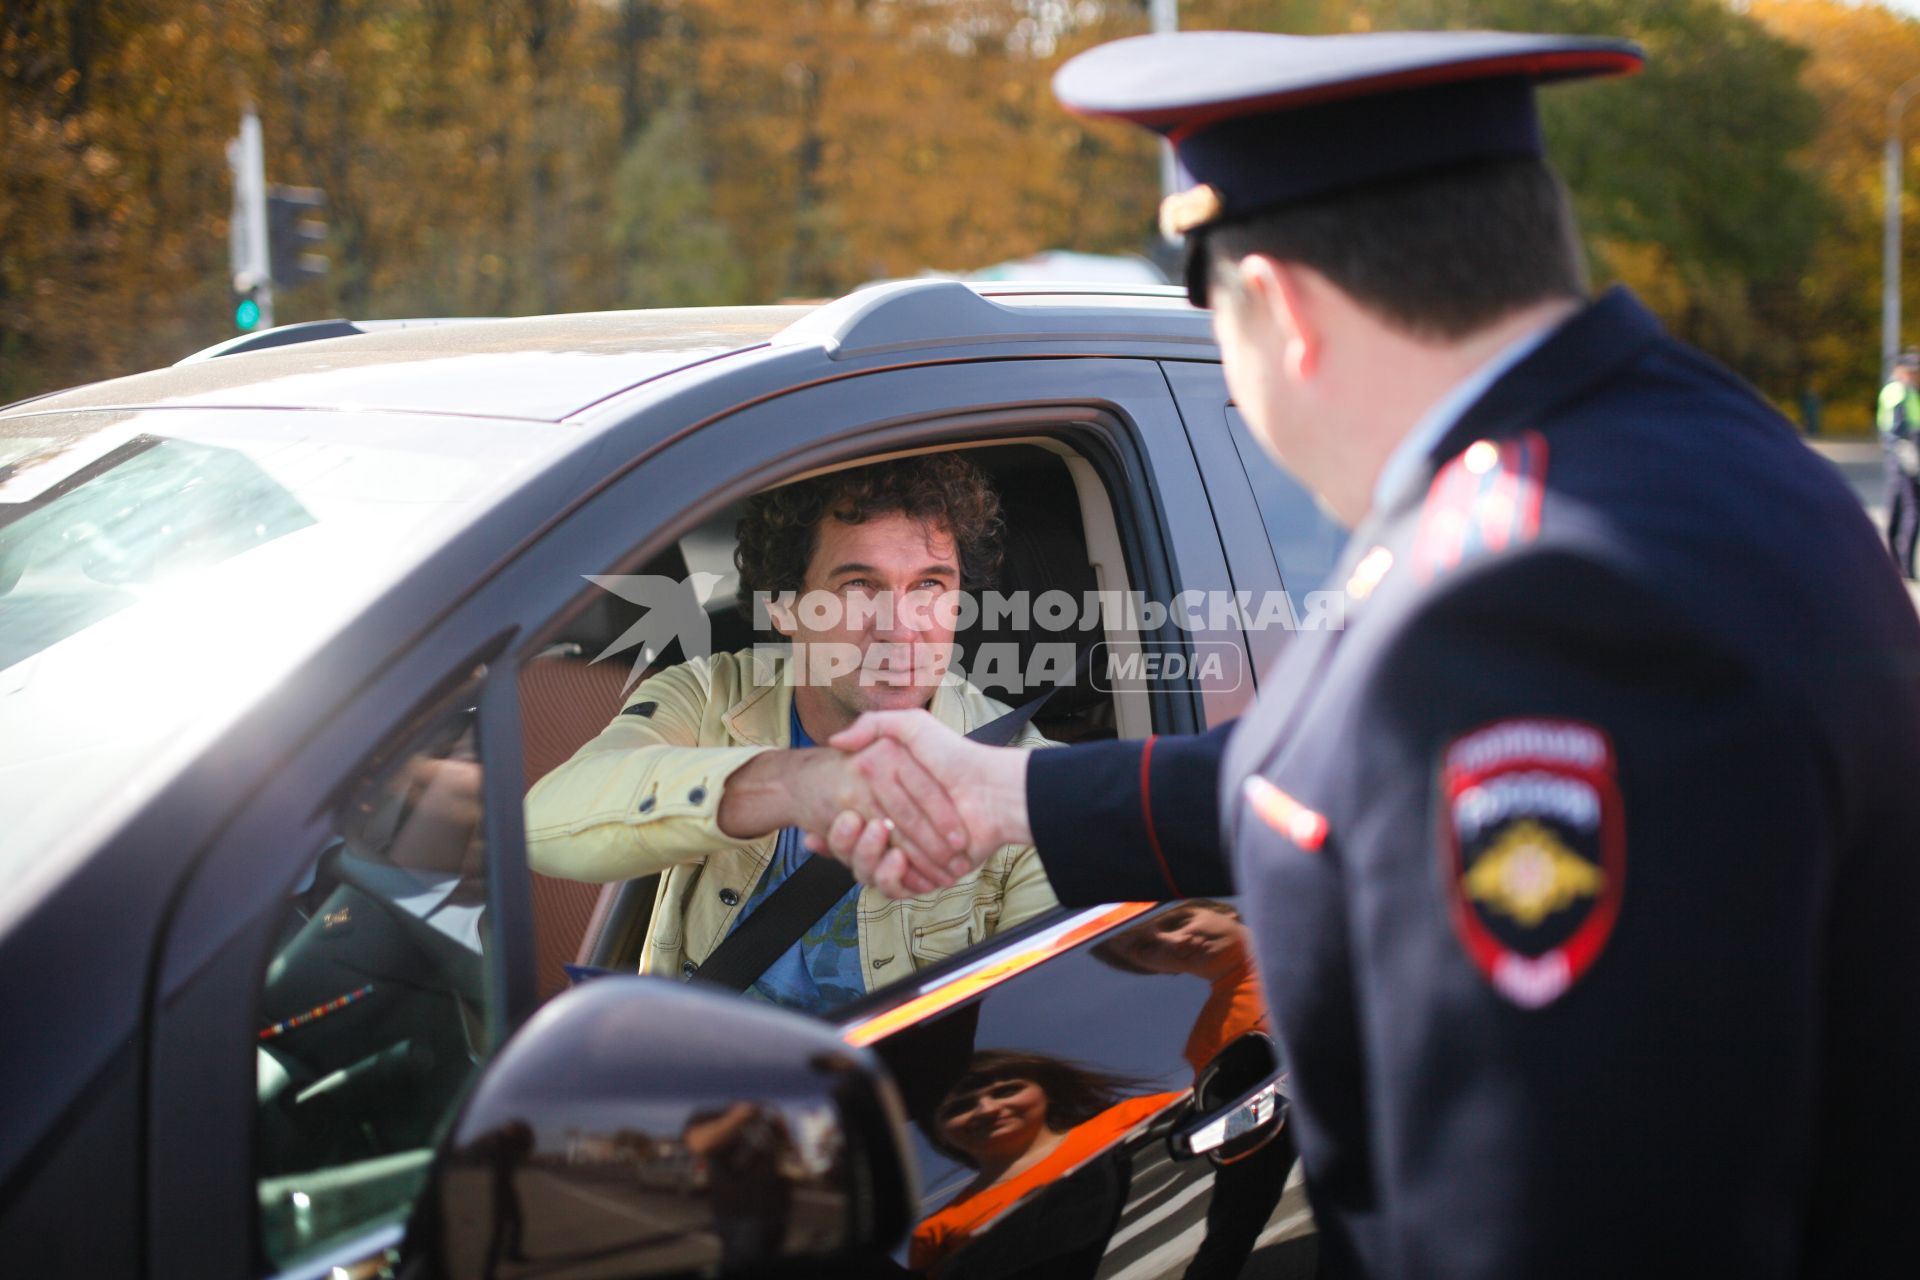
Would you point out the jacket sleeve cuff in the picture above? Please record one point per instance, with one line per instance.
(1129, 821)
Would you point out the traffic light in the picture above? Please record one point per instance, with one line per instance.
(247, 232)
(250, 303)
(246, 311)
(294, 225)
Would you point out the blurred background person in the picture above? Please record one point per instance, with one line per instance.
(1899, 423)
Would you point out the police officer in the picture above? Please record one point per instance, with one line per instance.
(1899, 422)
(1582, 863)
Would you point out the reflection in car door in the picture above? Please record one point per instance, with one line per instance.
(1042, 1086)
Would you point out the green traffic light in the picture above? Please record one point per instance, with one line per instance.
(247, 314)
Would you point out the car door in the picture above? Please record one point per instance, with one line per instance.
(345, 959)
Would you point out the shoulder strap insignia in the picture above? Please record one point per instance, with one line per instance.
(1484, 500)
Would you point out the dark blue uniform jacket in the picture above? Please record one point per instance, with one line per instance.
(1584, 862)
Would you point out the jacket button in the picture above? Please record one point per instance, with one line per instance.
(646, 806)
(696, 795)
(688, 969)
(730, 897)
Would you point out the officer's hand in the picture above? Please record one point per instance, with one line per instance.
(988, 787)
(910, 807)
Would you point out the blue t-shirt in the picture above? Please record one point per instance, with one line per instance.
(820, 972)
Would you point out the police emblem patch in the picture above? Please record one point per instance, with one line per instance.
(1533, 852)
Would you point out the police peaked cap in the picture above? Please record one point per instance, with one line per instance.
(1263, 121)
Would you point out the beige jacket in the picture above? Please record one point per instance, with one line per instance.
(644, 796)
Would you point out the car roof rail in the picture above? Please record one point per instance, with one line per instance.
(1067, 288)
(903, 314)
(286, 335)
(279, 336)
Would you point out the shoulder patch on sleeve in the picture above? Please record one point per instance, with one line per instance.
(1484, 500)
(1533, 852)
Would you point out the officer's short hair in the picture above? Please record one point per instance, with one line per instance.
(1436, 255)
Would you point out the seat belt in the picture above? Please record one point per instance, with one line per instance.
(819, 882)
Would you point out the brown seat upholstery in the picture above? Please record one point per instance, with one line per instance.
(564, 701)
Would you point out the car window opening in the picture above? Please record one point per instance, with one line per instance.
(1061, 537)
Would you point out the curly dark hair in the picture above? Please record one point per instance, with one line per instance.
(778, 533)
(1075, 1093)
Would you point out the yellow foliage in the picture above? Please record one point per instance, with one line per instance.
(1860, 55)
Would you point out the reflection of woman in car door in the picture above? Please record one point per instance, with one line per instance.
(1206, 939)
(1026, 1121)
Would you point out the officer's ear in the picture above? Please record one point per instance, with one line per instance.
(1290, 301)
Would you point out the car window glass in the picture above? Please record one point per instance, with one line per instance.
(374, 1006)
(202, 557)
(1306, 540)
(631, 703)
(620, 722)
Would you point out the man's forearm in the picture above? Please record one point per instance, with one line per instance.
(763, 794)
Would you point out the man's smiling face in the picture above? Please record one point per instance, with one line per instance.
(895, 581)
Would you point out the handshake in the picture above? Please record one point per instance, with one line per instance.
(909, 805)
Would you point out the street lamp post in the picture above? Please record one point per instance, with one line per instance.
(1890, 247)
(1166, 17)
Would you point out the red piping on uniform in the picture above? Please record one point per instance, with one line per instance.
(1542, 66)
(1537, 490)
(1146, 810)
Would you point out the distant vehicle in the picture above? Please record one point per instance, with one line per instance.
(286, 633)
(1062, 265)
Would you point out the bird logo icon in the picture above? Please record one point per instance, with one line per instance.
(675, 610)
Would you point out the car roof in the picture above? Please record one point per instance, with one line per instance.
(548, 368)
(539, 367)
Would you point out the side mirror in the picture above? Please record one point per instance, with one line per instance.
(634, 1127)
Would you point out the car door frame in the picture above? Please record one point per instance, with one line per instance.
(200, 1198)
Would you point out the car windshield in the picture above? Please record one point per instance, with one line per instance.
(148, 512)
(160, 571)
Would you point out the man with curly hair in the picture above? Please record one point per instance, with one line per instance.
(709, 773)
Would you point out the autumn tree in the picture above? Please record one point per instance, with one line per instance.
(510, 156)
(1859, 55)
(112, 250)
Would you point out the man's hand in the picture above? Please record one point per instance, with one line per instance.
(810, 787)
(987, 785)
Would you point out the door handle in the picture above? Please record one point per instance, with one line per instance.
(1263, 1105)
